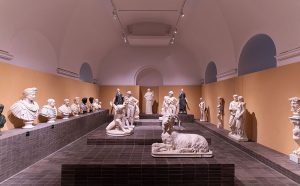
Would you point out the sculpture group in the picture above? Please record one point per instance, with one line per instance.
(295, 120)
(27, 109)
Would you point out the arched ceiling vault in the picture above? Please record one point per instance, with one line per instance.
(67, 33)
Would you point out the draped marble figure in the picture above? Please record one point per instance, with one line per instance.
(149, 95)
(26, 109)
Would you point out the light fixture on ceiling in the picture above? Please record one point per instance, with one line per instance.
(172, 41)
(115, 15)
(124, 36)
(175, 31)
(181, 14)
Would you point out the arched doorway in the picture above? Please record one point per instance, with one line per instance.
(258, 54)
(211, 72)
(86, 73)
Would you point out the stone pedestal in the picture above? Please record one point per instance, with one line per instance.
(238, 137)
(28, 125)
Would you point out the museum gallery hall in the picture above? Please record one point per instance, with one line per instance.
(149, 92)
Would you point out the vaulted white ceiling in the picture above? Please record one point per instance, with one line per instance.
(46, 34)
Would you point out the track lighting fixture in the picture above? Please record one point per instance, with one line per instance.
(181, 14)
(124, 38)
(115, 15)
(175, 31)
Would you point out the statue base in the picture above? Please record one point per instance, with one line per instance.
(65, 117)
(178, 154)
(237, 137)
(119, 133)
(52, 120)
(28, 125)
(295, 158)
(220, 126)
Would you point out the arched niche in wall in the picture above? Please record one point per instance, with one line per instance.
(149, 77)
(86, 73)
(258, 54)
(211, 72)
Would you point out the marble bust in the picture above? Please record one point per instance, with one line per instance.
(149, 96)
(90, 106)
(84, 107)
(65, 109)
(49, 111)
(75, 107)
(118, 126)
(295, 120)
(132, 107)
(220, 113)
(26, 109)
(202, 107)
(96, 105)
(2, 117)
(175, 144)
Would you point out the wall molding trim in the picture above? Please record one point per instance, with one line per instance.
(227, 74)
(6, 55)
(288, 57)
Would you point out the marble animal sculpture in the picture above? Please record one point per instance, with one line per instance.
(75, 107)
(295, 120)
(26, 109)
(239, 119)
(149, 96)
(118, 126)
(84, 107)
(176, 144)
(232, 109)
(49, 111)
(132, 107)
(2, 117)
(170, 104)
(183, 104)
(65, 109)
(220, 114)
(203, 110)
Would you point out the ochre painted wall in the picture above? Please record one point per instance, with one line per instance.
(266, 94)
(13, 80)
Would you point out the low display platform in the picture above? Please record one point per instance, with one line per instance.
(143, 135)
(185, 118)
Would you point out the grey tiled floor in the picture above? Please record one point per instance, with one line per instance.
(248, 171)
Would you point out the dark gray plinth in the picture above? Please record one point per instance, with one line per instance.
(147, 122)
(20, 148)
(149, 116)
(186, 118)
(143, 135)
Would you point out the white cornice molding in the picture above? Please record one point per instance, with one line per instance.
(288, 57)
(6, 55)
(227, 74)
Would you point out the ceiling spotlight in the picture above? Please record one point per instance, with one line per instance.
(172, 41)
(175, 31)
(124, 38)
(115, 15)
(181, 14)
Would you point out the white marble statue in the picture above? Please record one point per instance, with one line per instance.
(49, 111)
(26, 109)
(176, 144)
(295, 120)
(96, 105)
(118, 126)
(170, 104)
(239, 118)
(149, 96)
(132, 108)
(203, 110)
(232, 109)
(220, 114)
(75, 107)
(65, 109)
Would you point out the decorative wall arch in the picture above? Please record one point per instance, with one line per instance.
(257, 54)
(211, 72)
(86, 73)
(148, 76)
